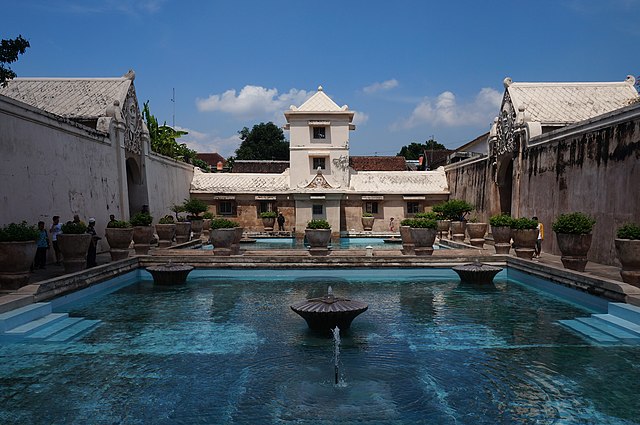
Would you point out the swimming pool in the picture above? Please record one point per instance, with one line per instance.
(345, 243)
(226, 348)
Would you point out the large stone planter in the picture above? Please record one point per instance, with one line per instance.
(268, 223)
(367, 223)
(119, 240)
(443, 228)
(206, 228)
(235, 245)
(196, 227)
(408, 247)
(476, 233)
(574, 249)
(183, 232)
(15, 263)
(457, 231)
(628, 251)
(318, 240)
(501, 239)
(222, 240)
(74, 250)
(142, 236)
(524, 241)
(165, 232)
(423, 240)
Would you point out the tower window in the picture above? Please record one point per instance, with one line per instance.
(317, 209)
(319, 162)
(319, 132)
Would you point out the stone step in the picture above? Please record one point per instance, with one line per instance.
(589, 332)
(22, 315)
(624, 311)
(36, 325)
(616, 332)
(74, 331)
(618, 322)
(54, 328)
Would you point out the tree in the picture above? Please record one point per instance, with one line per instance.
(9, 51)
(415, 150)
(263, 141)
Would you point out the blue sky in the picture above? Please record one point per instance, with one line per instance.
(410, 69)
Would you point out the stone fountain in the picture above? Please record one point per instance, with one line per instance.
(170, 274)
(477, 272)
(329, 311)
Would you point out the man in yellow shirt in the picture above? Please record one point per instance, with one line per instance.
(540, 238)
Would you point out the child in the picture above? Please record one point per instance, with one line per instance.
(42, 244)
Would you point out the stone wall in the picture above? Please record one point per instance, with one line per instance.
(168, 183)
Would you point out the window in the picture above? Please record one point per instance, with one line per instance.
(319, 162)
(225, 208)
(413, 207)
(319, 132)
(318, 209)
(371, 207)
(265, 206)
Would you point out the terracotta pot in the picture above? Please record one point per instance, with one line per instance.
(196, 227)
(142, 236)
(222, 240)
(318, 240)
(524, 241)
(268, 223)
(183, 232)
(501, 239)
(165, 232)
(423, 240)
(443, 227)
(74, 250)
(15, 263)
(367, 223)
(457, 231)
(119, 240)
(574, 249)
(408, 247)
(476, 233)
(628, 251)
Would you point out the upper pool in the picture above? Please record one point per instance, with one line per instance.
(344, 243)
(226, 348)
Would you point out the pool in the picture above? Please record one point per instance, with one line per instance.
(226, 348)
(345, 243)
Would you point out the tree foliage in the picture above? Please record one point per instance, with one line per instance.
(414, 150)
(263, 141)
(9, 51)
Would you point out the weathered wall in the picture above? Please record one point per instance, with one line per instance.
(472, 181)
(168, 182)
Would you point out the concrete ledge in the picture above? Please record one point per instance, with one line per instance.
(14, 300)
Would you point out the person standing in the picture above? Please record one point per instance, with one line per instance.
(280, 222)
(55, 230)
(91, 254)
(538, 248)
(42, 244)
(391, 225)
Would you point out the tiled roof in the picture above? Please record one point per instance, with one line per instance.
(248, 166)
(211, 158)
(562, 103)
(400, 182)
(82, 98)
(319, 102)
(377, 163)
(239, 183)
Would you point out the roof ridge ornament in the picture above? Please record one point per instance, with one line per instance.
(320, 88)
(130, 75)
(630, 80)
(507, 82)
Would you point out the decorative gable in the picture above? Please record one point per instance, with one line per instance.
(319, 182)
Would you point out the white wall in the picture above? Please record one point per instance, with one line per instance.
(168, 183)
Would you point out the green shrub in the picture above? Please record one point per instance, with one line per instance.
(268, 214)
(576, 223)
(71, 228)
(141, 219)
(453, 209)
(223, 223)
(366, 214)
(407, 222)
(318, 224)
(167, 219)
(194, 206)
(207, 215)
(423, 223)
(501, 220)
(118, 224)
(629, 231)
(523, 223)
(428, 215)
(18, 232)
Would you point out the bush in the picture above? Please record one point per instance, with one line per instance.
(576, 223)
(71, 228)
(501, 220)
(223, 223)
(318, 224)
(428, 215)
(423, 223)
(453, 209)
(407, 222)
(118, 224)
(18, 232)
(366, 214)
(523, 223)
(629, 231)
(167, 219)
(141, 219)
(207, 215)
(194, 206)
(268, 214)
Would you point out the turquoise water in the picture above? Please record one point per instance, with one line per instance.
(228, 349)
(345, 243)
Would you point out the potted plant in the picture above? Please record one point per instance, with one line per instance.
(195, 207)
(17, 250)
(74, 244)
(119, 235)
(408, 247)
(223, 234)
(166, 229)
(268, 220)
(628, 250)
(455, 210)
(573, 233)
(443, 223)
(142, 232)
(501, 231)
(476, 231)
(367, 221)
(525, 233)
(423, 234)
(318, 236)
(206, 224)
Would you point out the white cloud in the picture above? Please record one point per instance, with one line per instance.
(360, 118)
(208, 143)
(383, 86)
(252, 101)
(446, 111)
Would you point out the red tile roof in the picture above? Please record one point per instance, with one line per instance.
(377, 163)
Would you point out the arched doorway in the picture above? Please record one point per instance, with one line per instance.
(504, 180)
(136, 187)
